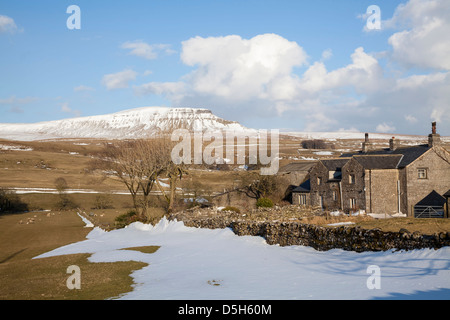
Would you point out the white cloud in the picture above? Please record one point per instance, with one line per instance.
(327, 54)
(423, 40)
(385, 128)
(364, 74)
(118, 80)
(66, 109)
(269, 78)
(7, 25)
(411, 119)
(259, 73)
(145, 50)
(241, 69)
(175, 90)
(15, 100)
(15, 104)
(83, 88)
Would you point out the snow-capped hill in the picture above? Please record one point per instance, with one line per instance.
(128, 124)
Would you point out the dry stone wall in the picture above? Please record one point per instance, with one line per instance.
(321, 238)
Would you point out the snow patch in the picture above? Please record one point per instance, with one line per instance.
(249, 268)
(86, 221)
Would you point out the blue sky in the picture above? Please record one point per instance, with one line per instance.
(300, 65)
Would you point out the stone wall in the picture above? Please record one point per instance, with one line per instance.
(437, 178)
(348, 238)
(381, 191)
(325, 193)
(353, 188)
(345, 237)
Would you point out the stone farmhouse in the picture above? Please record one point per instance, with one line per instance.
(413, 180)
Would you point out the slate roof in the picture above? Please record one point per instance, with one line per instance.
(304, 187)
(432, 199)
(409, 153)
(298, 166)
(379, 161)
(334, 164)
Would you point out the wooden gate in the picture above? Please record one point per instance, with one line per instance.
(423, 211)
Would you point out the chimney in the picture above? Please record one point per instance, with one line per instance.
(434, 139)
(393, 144)
(366, 145)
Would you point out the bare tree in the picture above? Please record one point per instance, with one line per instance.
(138, 164)
(154, 158)
(120, 159)
(174, 173)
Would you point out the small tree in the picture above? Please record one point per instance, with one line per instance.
(316, 144)
(61, 187)
(103, 201)
(264, 203)
(258, 186)
(10, 202)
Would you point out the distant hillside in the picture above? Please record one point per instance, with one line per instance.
(128, 124)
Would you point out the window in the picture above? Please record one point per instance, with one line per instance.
(319, 181)
(422, 173)
(334, 195)
(302, 199)
(352, 203)
(351, 179)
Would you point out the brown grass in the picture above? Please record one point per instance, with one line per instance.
(23, 277)
(424, 226)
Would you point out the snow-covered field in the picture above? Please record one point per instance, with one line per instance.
(203, 264)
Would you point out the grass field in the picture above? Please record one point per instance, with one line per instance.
(27, 235)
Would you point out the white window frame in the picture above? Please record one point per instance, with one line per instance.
(422, 173)
(351, 179)
(302, 199)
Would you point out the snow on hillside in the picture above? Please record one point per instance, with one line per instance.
(205, 264)
(148, 121)
(133, 123)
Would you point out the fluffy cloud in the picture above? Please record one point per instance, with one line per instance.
(385, 128)
(145, 50)
(7, 25)
(270, 77)
(82, 88)
(363, 74)
(15, 104)
(231, 71)
(118, 80)
(241, 69)
(259, 74)
(425, 42)
(66, 109)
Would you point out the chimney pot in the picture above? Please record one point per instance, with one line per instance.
(434, 139)
(366, 145)
(393, 144)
